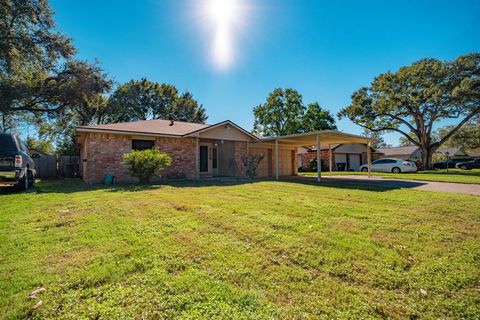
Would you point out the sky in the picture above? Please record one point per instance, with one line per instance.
(232, 53)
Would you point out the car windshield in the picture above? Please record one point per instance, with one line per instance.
(7, 143)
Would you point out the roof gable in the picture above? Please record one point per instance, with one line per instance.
(408, 150)
(226, 130)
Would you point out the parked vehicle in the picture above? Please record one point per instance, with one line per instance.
(451, 163)
(17, 168)
(391, 165)
(469, 165)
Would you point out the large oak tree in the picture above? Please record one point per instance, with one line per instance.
(144, 99)
(39, 76)
(285, 113)
(414, 99)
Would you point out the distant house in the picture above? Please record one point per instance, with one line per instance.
(348, 156)
(404, 153)
(453, 153)
(474, 153)
(414, 152)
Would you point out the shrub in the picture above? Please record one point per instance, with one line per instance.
(145, 164)
(251, 164)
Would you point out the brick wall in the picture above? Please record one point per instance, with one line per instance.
(309, 156)
(104, 152)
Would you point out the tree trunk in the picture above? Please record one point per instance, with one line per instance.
(427, 157)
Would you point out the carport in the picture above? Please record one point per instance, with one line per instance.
(318, 139)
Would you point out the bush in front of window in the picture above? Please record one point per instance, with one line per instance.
(146, 164)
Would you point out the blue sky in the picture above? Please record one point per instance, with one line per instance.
(324, 49)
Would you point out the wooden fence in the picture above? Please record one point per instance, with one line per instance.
(52, 167)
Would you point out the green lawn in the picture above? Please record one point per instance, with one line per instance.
(264, 250)
(454, 175)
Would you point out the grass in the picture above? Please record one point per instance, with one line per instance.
(225, 250)
(454, 175)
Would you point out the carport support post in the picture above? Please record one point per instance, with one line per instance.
(369, 160)
(276, 159)
(330, 160)
(319, 161)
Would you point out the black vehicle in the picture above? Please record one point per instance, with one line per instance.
(17, 168)
(469, 165)
(451, 163)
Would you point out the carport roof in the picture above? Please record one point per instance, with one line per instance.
(310, 138)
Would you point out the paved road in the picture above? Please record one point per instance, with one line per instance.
(409, 184)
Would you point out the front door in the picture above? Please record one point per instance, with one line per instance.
(204, 159)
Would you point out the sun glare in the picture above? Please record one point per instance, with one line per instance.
(223, 12)
(223, 19)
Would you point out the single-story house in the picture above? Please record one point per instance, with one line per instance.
(348, 156)
(474, 153)
(404, 153)
(197, 150)
(453, 153)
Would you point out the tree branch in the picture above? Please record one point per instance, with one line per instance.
(454, 130)
(389, 129)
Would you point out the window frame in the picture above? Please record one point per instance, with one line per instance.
(152, 142)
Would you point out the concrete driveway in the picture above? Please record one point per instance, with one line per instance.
(473, 189)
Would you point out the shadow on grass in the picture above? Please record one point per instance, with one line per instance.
(451, 172)
(68, 186)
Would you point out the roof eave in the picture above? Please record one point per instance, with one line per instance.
(126, 132)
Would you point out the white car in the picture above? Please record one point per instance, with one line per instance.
(391, 165)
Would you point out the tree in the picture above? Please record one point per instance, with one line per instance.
(417, 97)
(28, 37)
(466, 138)
(316, 118)
(144, 99)
(30, 52)
(377, 139)
(83, 88)
(145, 164)
(39, 145)
(284, 113)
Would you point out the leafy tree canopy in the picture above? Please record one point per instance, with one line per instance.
(466, 138)
(144, 99)
(416, 97)
(377, 139)
(28, 37)
(39, 145)
(285, 113)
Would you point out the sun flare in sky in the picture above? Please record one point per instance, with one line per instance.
(223, 19)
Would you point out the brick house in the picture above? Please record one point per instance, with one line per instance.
(197, 150)
(348, 156)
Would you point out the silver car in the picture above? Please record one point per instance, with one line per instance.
(391, 165)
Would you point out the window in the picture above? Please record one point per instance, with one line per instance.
(142, 144)
(7, 143)
(215, 161)
(389, 161)
(378, 162)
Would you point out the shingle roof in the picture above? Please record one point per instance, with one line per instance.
(398, 150)
(451, 151)
(161, 127)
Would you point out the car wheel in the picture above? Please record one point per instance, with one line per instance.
(23, 184)
(31, 183)
(396, 170)
(364, 169)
